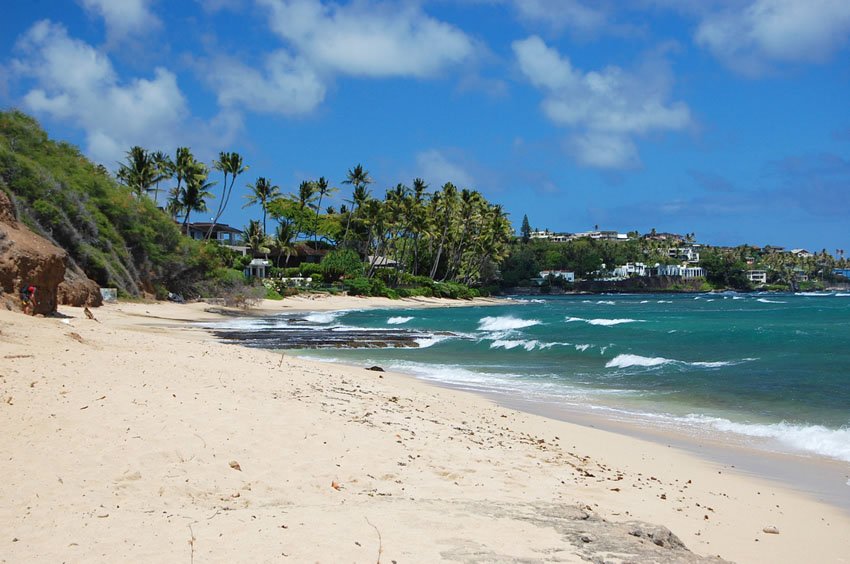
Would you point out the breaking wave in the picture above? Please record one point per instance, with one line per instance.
(323, 317)
(629, 360)
(767, 301)
(505, 323)
(398, 320)
(603, 322)
(817, 439)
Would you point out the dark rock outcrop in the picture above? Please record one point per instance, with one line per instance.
(28, 259)
(78, 290)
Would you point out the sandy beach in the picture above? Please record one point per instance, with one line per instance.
(138, 438)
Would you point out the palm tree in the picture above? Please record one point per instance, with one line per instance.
(255, 238)
(164, 171)
(469, 200)
(262, 192)
(228, 163)
(444, 206)
(283, 241)
(193, 195)
(140, 172)
(417, 218)
(322, 189)
(183, 167)
(359, 178)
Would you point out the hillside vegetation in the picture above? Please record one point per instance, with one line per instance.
(115, 238)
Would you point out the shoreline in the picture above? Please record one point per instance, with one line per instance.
(831, 484)
(132, 426)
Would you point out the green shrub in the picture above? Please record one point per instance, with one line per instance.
(308, 269)
(272, 294)
(341, 264)
(358, 286)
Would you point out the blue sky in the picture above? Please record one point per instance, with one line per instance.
(728, 118)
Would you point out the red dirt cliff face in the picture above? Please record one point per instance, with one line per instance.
(26, 258)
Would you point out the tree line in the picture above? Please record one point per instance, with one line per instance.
(446, 234)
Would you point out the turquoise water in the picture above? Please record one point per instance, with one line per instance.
(771, 367)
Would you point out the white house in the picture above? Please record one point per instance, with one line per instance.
(689, 254)
(630, 269)
(757, 276)
(686, 272)
(566, 275)
(257, 268)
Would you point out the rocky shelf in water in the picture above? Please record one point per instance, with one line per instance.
(311, 337)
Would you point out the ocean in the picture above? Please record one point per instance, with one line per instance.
(771, 371)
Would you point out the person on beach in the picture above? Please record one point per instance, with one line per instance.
(28, 299)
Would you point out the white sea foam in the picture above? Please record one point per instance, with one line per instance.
(716, 364)
(610, 322)
(602, 322)
(834, 443)
(527, 344)
(606, 302)
(582, 348)
(505, 323)
(432, 340)
(644, 301)
(665, 301)
(509, 344)
(398, 320)
(627, 360)
(323, 317)
(842, 295)
(767, 301)
(815, 294)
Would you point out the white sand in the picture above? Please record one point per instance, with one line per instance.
(117, 439)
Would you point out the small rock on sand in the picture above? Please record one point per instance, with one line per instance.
(771, 529)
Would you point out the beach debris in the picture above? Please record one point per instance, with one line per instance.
(336, 485)
(771, 530)
(76, 336)
(376, 369)
(235, 465)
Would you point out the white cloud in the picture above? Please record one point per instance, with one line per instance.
(286, 85)
(749, 39)
(123, 17)
(368, 38)
(573, 14)
(606, 108)
(74, 82)
(602, 150)
(437, 169)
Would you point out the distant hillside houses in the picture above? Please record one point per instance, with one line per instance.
(566, 237)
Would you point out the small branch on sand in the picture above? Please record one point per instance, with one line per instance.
(380, 541)
(192, 545)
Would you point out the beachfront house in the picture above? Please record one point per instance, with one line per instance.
(757, 276)
(679, 271)
(630, 269)
(565, 275)
(845, 272)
